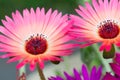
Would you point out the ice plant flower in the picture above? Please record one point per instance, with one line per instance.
(94, 75)
(116, 69)
(35, 36)
(109, 76)
(98, 23)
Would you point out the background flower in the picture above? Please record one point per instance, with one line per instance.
(97, 23)
(94, 75)
(115, 65)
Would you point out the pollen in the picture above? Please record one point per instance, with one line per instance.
(108, 30)
(36, 45)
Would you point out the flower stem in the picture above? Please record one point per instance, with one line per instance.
(42, 77)
(104, 61)
(22, 70)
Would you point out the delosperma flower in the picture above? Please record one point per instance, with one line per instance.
(94, 75)
(98, 23)
(35, 36)
(115, 66)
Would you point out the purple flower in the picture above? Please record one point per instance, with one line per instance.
(116, 69)
(108, 76)
(94, 75)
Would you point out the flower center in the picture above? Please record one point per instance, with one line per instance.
(108, 30)
(36, 45)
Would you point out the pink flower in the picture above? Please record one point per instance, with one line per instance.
(97, 23)
(35, 37)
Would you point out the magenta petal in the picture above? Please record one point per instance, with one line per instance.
(117, 58)
(108, 76)
(115, 68)
(85, 72)
(77, 75)
(68, 77)
(93, 73)
(99, 73)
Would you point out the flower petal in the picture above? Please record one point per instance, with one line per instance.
(85, 72)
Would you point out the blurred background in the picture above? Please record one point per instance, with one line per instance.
(80, 56)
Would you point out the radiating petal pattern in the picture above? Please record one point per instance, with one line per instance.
(98, 22)
(35, 36)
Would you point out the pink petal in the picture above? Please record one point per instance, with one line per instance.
(118, 44)
(86, 15)
(11, 35)
(32, 65)
(53, 58)
(26, 15)
(19, 16)
(108, 47)
(32, 16)
(105, 46)
(8, 55)
(47, 19)
(40, 18)
(13, 59)
(92, 12)
(60, 52)
(8, 40)
(41, 64)
(22, 63)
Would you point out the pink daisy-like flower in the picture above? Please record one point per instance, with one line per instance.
(99, 23)
(35, 37)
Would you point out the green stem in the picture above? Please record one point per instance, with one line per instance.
(104, 61)
(42, 77)
(22, 70)
(87, 0)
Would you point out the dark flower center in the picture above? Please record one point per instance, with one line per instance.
(36, 45)
(108, 30)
